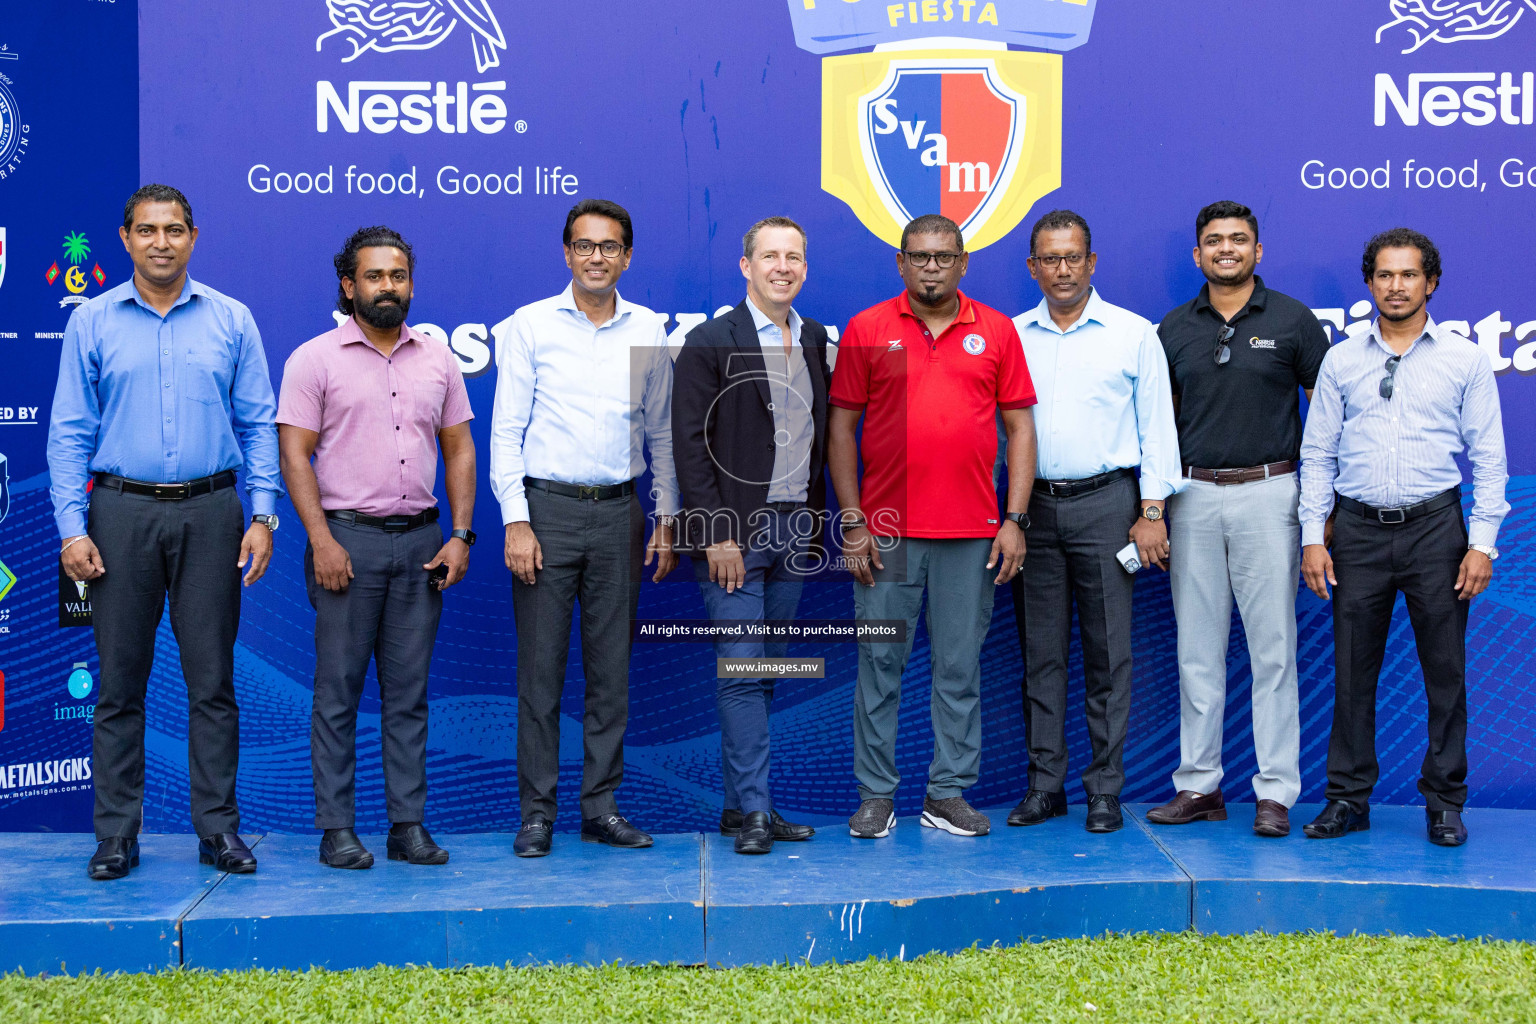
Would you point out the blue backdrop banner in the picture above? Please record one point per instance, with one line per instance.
(473, 125)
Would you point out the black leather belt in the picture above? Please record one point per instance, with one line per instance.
(1068, 488)
(785, 506)
(389, 524)
(168, 492)
(586, 492)
(1395, 516)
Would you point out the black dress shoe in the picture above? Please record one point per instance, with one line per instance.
(1445, 828)
(756, 835)
(783, 831)
(534, 838)
(613, 830)
(1337, 819)
(412, 842)
(340, 848)
(226, 851)
(1104, 813)
(1038, 806)
(113, 857)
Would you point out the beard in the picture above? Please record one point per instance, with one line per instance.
(383, 317)
(1237, 276)
(1399, 317)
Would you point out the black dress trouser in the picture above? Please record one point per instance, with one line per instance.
(593, 553)
(1373, 562)
(151, 549)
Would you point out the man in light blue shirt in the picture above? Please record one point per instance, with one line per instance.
(163, 395)
(1105, 413)
(1391, 411)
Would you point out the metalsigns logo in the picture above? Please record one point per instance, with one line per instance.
(76, 249)
(941, 117)
(414, 25)
(1416, 22)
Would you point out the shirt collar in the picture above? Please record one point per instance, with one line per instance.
(1040, 316)
(351, 333)
(567, 300)
(1257, 301)
(129, 292)
(1431, 331)
(966, 314)
(760, 319)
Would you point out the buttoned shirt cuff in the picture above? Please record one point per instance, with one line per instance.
(1156, 489)
(1312, 533)
(263, 503)
(667, 503)
(1482, 533)
(515, 510)
(71, 525)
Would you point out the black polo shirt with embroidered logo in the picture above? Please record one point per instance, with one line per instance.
(1246, 412)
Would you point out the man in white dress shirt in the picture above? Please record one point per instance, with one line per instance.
(584, 385)
(1105, 412)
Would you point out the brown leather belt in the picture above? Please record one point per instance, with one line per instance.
(1240, 476)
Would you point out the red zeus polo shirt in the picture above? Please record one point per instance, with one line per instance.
(930, 415)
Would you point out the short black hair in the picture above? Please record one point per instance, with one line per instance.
(749, 240)
(932, 224)
(1401, 238)
(601, 208)
(156, 194)
(1225, 209)
(365, 238)
(1056, 220)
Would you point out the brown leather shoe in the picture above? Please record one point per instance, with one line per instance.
(1189, 806)
(1271, 819)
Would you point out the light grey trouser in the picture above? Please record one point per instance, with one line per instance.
(1242, 540)
(959, 586)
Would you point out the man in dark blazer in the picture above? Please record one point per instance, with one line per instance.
(749, 426)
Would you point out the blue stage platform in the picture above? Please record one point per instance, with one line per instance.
(691, 900)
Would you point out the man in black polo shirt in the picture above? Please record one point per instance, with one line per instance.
(1237, 353)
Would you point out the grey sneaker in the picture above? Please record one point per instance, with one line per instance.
(873, 820)
(955, 816)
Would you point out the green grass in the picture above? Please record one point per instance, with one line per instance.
(1290, 979)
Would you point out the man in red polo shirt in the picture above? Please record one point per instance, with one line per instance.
(928, 372)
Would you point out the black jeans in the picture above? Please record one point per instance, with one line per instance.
(1373, 562)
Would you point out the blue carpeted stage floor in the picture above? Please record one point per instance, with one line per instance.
(691, 900)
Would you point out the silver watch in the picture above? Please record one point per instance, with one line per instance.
(270, 522)
(1487, 549)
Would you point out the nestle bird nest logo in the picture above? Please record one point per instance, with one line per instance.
(414, 25)
(941, 117)
(1417, 22)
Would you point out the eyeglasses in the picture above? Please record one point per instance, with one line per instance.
(1223, 353)
(1385, 388)
(945, 260)
(586, 247)
(1052, 262)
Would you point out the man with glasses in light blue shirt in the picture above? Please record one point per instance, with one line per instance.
(1105, 413)
(1392, 409)
(583, 388)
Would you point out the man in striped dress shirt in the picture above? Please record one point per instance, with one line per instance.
(1392, 409)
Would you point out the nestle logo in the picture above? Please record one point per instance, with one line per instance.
(413, 107)
(1442, 98)
(1261, 342)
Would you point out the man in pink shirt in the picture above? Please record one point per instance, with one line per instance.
(371, 402)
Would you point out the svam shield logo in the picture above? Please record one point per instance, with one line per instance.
(974, 135)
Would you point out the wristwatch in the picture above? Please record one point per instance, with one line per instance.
(1152, 513)
(1021, 519)
(467, 536)
(270, 522)
(1487, 549)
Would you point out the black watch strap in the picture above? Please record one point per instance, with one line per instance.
(1019, 518)
(467, 536)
